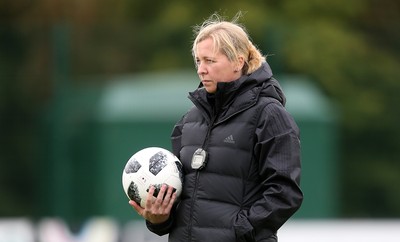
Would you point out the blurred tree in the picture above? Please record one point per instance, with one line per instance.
(16, 119)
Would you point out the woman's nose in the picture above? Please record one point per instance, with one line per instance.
(200, 69)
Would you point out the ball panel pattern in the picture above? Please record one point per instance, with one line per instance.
(132, 166)
(157, 162)
(133, 193)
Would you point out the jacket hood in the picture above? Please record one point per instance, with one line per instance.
(262, 77)
(242, 92)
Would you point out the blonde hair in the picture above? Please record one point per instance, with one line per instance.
(231, 39)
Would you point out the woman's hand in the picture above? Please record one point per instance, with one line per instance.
(157, 210)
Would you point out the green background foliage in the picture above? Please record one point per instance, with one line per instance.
(349, 48)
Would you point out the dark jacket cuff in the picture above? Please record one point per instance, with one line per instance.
(161, 228)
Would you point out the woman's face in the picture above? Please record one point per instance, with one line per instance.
(213, 66)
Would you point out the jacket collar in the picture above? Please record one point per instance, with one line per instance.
(236, 96)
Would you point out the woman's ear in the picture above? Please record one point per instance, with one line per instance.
(240, 63)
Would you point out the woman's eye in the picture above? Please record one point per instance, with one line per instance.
(205, 61)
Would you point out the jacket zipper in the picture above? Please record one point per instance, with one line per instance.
(197, 176)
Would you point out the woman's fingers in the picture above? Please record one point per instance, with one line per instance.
(170, 202)
(157, 209)
(137, 207)
(168, 197)
(150, 197)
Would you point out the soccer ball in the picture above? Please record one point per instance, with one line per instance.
(151, 166)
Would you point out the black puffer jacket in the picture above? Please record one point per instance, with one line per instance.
(250, 184)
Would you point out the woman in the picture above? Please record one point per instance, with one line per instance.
(239, 148)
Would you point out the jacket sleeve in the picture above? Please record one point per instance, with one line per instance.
(164, 228)
(278, 153)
